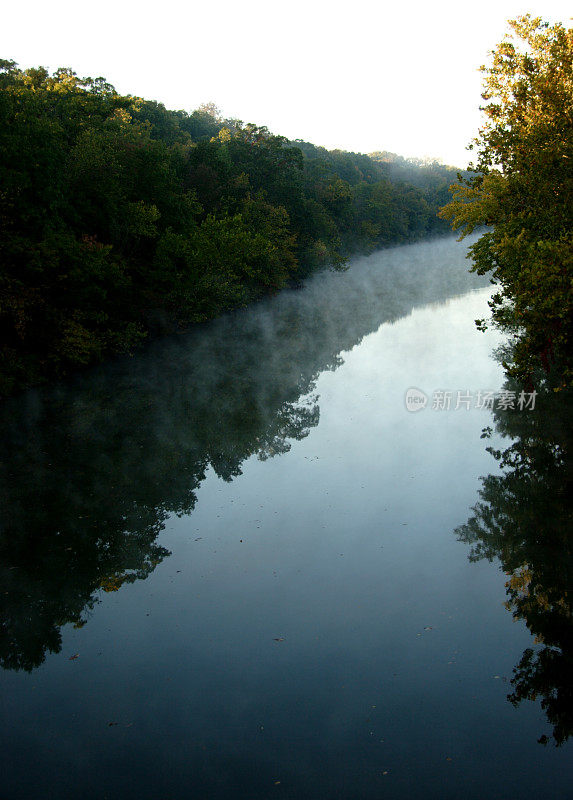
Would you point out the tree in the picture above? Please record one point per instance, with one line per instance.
(120, 218)
(522, 190)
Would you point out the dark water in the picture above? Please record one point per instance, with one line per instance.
(236, 566)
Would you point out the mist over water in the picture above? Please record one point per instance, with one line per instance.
(230, 566)
(216, 395)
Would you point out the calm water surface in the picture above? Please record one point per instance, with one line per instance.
(233, 565)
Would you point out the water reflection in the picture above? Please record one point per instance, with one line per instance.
(524, 520)
(91, 470)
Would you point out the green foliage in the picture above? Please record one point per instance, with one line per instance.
(523, 191)
(120, 218)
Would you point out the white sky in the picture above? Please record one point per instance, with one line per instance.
(357, 76)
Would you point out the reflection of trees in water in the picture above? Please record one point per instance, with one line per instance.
(86, 491)
(91, 470)
(524, 519)
(89, 476)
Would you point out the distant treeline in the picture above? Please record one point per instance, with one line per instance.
(120, 218)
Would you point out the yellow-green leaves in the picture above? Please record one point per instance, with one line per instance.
(475, 204)
(523, 190)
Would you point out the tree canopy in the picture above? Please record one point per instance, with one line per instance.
(522, 190)
(121, 219)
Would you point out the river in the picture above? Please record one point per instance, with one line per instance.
(233, 565)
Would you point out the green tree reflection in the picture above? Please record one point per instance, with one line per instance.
(524, 520)
(91, 470)
(89, 477)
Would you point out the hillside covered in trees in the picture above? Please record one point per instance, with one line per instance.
(120, 219)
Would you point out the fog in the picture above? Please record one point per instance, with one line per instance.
(93, 467)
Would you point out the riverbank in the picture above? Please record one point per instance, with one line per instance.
(123, 219)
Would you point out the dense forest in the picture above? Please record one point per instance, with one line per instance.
(122, 219)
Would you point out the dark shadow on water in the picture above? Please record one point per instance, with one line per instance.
(524, 520)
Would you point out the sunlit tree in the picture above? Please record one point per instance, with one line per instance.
(522, 190)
